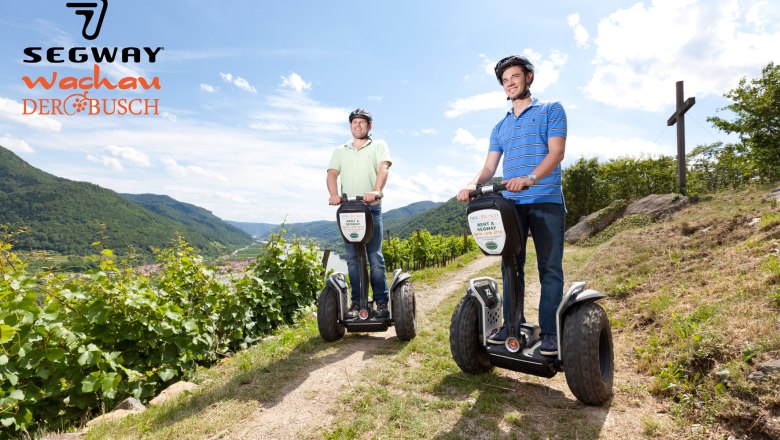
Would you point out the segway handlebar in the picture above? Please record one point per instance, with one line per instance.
(487, 189)
(344, 198)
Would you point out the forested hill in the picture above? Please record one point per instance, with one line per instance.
(66, 216)
(194, 217)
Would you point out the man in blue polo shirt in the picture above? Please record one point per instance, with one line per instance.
(532, 139)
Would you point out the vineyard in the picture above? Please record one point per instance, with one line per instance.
(423, 250)
(72, 345)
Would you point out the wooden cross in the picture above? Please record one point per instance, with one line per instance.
(678, 117)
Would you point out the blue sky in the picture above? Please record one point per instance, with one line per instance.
(254, 96)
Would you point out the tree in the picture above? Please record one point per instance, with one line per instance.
(756, 104)
(583, 190)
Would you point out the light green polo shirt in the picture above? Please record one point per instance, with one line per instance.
(358, 168)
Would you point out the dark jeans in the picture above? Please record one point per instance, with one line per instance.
(376, 262)
(546, 221)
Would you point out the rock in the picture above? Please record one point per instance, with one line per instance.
(771, 367)
(772, 427)
(113, 415)
(595, 222)
(774, 195)
(657, 205)
(756, 376)
(131, 404)
(173, 391)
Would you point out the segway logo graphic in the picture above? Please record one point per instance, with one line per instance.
(87, 10)
(93, 93)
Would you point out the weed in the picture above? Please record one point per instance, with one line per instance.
(650, 426)
(769, 221)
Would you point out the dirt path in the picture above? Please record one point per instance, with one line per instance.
(304, 406)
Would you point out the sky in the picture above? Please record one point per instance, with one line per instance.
(254, 96)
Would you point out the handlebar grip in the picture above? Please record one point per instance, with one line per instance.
(488, 189)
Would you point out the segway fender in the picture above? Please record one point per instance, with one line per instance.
(577, 294)
(339, 283)
(399, 278)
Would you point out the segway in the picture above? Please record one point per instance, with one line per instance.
(357, 227)
(585, 353)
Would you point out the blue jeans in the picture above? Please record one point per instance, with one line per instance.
(376, 262)
(546, 222)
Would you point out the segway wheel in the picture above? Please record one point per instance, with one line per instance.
(587, 354)
(328, 315)
(404, 312)
(465, 338)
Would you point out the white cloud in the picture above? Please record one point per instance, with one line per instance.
(440, 184)
(15, 145)
(129, 154)
(295, 112)
(208, 88)
(295, 82)
(605, 148)
(13, 110)
(237, 81)
(169, 116)
(708, 44)
(464, 137)
(581, 35)
(116, 156)
(193, 171)
(483, 101)
(110, 162)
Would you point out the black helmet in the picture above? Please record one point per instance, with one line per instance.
(513, 60)
(360, 113)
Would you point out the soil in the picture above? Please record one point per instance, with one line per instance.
(305, 407)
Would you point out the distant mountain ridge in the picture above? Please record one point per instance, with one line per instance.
(326, 233)
(66, 216)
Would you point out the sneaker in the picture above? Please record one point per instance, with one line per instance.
(381, 311)
(549, 345)
(352, 313)
(498, 337)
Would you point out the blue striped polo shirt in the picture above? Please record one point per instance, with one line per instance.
(522, 140)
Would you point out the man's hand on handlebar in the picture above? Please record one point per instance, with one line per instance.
(463, 195)
(334, 200)
(517, 184)
(371, 197)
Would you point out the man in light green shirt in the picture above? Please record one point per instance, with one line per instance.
(363, 166)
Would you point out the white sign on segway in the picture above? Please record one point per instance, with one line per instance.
(487, 228)
(353, 226)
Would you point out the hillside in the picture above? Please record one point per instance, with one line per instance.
(196, 219)
(253, 229)
(66, 216)
(326, 233)
(693, 300)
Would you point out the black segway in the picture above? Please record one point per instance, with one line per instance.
(585, 352)
(357, 227)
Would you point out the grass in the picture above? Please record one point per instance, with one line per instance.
(420, 393)
(695, 290)
(693, 301)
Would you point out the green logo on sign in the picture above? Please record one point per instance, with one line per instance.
(353, 235)
(491, 245)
